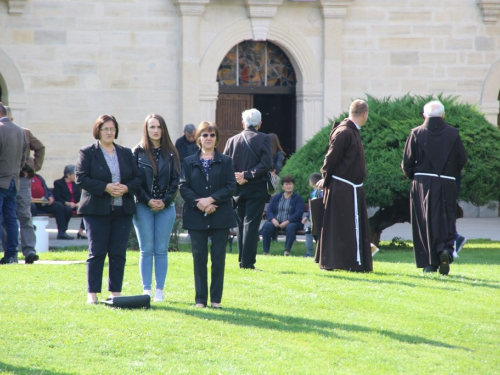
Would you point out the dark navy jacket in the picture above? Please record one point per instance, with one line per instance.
(297, 208)
(221, 187)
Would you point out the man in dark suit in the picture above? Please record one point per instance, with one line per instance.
(13, 147)
(251, 167)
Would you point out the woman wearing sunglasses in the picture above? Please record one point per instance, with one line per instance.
(159, 166)
(207, 185)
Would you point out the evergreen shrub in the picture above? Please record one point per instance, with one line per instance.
(384, 135)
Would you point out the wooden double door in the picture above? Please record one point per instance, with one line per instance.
(278, 116)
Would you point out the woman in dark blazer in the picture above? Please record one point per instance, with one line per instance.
(207, 185)
(68, 193)
(108, 175)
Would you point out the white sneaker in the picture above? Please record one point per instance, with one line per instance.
(158, 296)
(374, 249)
(146, 292)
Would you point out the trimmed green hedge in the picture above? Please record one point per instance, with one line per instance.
(384, 136)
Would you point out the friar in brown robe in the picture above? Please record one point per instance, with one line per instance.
(344, 241)
(434, 156)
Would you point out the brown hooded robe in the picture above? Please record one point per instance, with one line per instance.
(337, 245)
(433, 148)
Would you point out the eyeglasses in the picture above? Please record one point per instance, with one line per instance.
(108, 130)
(211, 135)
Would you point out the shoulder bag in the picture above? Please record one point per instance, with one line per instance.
(272, 179)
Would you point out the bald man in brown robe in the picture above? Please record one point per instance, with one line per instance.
(344, 241)
(434, 156)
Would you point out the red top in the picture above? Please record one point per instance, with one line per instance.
(37, 190)
(70, 187)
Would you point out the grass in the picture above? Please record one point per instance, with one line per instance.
(291, 318)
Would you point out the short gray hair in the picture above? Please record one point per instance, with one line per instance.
(251, 117)
(9, 111)
(434, 109)
(189, 128)
(69, 170)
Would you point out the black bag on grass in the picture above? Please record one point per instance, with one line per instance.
(129, 302)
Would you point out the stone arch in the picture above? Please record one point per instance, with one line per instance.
(13, 92)
(307, 70)
(489, 93)
(292, 43)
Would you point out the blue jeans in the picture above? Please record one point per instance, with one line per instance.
(153, 230)
(268, 229)
(8, 208)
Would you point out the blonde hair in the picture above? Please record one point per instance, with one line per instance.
(358, 107)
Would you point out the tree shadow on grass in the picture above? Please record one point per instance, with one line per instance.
(29, 370)
(287, 323)
(457, 279)
(334, 275)
(453, 279)
(487, 257)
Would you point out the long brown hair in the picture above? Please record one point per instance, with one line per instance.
(275, 144)
(166, 145)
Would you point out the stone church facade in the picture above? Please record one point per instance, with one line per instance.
(64, 63)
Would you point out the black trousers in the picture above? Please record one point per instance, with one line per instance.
(250, 202)
(108, 235)
(61, 212)
(199, 244)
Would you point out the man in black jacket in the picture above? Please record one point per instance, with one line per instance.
(251, 167)
(186, 145)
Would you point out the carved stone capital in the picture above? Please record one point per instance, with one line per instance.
(191, 7)
(490, 10)
(335, 8)
(16, 6)
(262, 8)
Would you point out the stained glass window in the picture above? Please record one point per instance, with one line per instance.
(256, 64)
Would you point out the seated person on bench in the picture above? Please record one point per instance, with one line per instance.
(62, 213)
(283, 213)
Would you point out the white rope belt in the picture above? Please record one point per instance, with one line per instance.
(434, 175)
(356, 216)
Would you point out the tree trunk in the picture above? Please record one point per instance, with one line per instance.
(385, 217)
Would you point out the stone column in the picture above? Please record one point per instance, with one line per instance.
(490, 10)
(310, 117)
(190, 12)
(333, 11)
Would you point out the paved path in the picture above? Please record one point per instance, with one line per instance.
(471, 228)
(488, 228)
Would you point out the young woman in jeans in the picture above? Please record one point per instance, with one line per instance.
(159, 166)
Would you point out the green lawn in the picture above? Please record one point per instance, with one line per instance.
(291, 318)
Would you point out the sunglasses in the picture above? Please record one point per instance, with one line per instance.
(211, 135)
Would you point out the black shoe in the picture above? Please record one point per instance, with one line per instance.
(64, 236)
(430, 269)
(31, 258)
(82, 236)
(444, 263)
(11, 260)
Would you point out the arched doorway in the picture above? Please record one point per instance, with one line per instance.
(257, 75)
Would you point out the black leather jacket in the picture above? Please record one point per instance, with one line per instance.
(168, 177)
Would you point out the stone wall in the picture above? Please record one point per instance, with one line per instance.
(64, 63)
